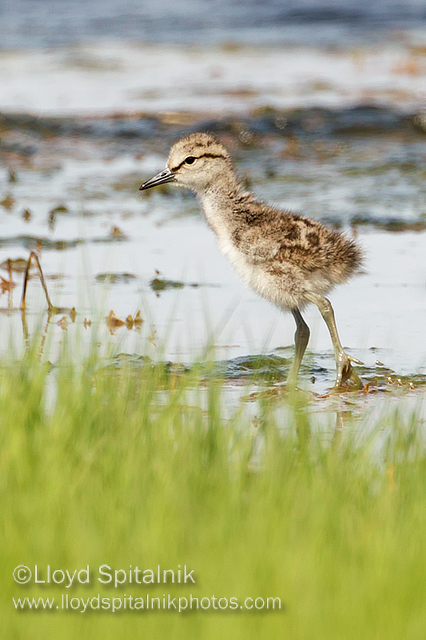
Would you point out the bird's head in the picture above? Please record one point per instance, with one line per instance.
(195, 162)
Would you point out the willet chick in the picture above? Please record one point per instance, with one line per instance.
(288, 259)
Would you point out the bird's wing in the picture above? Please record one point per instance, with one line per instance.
(257, 248)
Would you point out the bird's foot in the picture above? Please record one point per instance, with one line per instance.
(347, 377)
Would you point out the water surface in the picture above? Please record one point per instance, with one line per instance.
(323, 110)
(106, 246)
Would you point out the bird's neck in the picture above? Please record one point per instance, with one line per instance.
(220, 201)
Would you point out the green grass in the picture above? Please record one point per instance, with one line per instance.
(137, 466)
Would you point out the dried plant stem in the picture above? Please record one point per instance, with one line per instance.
(34, 257)
(9, 269)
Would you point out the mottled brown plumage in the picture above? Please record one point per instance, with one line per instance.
(287, 258)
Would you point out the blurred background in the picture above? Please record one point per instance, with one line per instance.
(46, 23)
(67, 56)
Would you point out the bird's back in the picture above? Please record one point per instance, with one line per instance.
(271, 237)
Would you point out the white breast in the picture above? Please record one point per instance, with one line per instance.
(245, 270)
(251, 274)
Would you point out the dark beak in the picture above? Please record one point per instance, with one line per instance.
(161, 178)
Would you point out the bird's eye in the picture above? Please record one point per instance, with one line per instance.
(190, 160)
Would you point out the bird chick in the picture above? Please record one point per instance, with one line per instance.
(287, 258)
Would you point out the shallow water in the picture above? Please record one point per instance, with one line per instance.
(106, 246)
(335, 132)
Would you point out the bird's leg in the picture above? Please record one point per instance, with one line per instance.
(301, 339)
(345, 371)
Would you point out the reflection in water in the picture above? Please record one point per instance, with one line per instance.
(294, 420)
